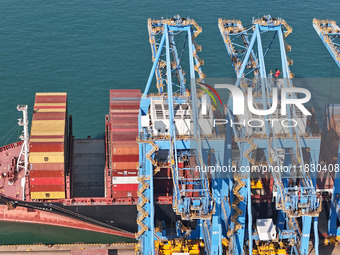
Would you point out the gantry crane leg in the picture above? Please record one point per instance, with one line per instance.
(146, 225)
(333, 227)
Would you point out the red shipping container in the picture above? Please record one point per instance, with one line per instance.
(124, 130)
(47, 147)
(115, 119)
(124, 137)
(49, 116)
(125, 172)
(50, 99)
(47, 181)
(61, 107)
(125, 158)
(47, 188)
(46, 174)
(124, 104)
(123, 115)
(47, 166)
(123, 120)
(131, 112)
(124, 190)
(125, 187)
(124, 194)
(120, 93)
(122, 123)
(124, 143)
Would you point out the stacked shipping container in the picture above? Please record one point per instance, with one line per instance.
(330, 135)
(124, 108)
(48, 146)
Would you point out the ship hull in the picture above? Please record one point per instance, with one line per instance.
(123, 217)
(118, 217)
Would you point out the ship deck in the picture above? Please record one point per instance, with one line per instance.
(10, 180)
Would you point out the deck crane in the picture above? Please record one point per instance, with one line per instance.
(177, 121)
(329, 33)
(279, 145)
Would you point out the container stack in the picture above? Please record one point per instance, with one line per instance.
(48, 142)
(124, 108)
(330, 134)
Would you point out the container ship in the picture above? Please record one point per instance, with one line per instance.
(91, 181)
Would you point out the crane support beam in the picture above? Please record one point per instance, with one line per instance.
(329, 33)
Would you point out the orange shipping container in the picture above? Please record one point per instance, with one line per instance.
(47, 188)
(46, 174)
(47, 147)
(47, 166)
(125, 150)
(124, 165)
(47, 181)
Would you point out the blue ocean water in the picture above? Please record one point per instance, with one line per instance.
(88, 47)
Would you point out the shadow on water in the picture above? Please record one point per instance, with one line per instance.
(25, 233)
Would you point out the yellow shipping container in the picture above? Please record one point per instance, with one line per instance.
(48, 127)
(47, 140)
(47, 132)
(51, 94)
(49, 104)
(47, 195)
(48, 123)
(52, 110)
(46, 157)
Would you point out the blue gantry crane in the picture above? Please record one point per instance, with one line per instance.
(178, 122)
(329, 33)
(280, 145)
